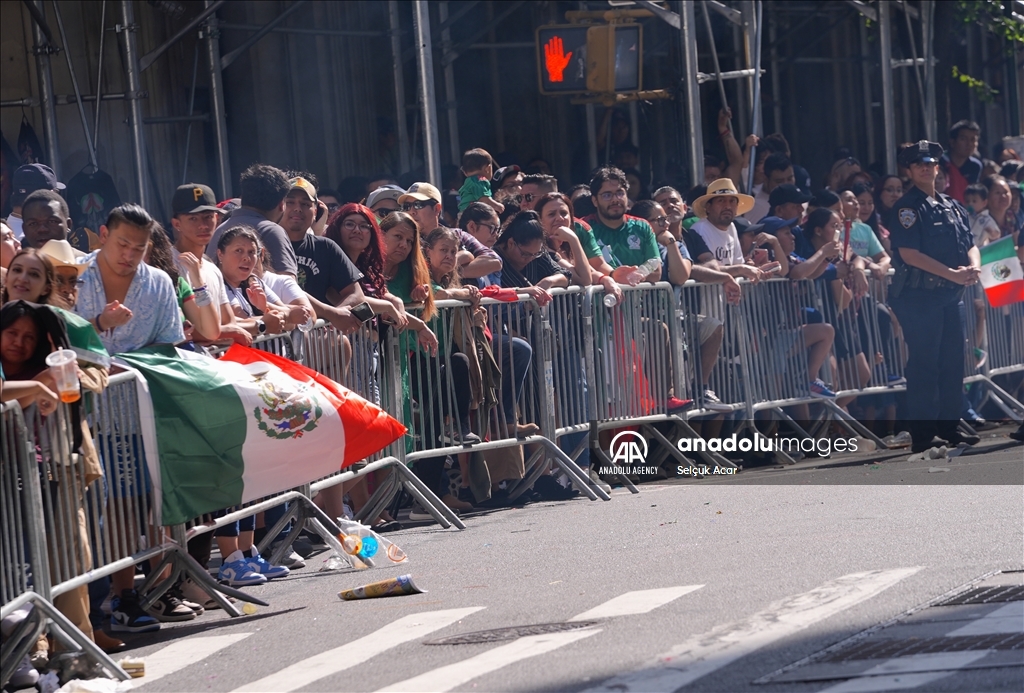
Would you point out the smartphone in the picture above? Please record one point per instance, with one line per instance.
(363, 312)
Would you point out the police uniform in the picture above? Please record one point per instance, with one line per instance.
(929, 307)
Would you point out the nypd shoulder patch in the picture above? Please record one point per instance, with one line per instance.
(908, 218)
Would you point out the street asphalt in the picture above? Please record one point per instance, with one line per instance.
(771, 566)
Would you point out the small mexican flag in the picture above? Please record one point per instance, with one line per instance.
(1001, 273)
(218, 433)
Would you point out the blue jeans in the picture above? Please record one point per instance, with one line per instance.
(516, 357)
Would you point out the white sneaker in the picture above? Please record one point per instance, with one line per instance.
(418, 514)
(292, 561)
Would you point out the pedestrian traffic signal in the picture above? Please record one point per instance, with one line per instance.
(561, 59)
(614, 58)
(576, 59)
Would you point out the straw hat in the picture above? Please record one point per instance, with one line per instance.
(722, 186)
(61, 254)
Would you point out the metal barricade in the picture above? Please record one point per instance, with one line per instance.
(442, 389)
(994, 347)
(366, 363)
(634, 366)
(43, 531)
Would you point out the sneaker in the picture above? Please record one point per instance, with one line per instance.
(596, 480)
(24, 676)
(128, 617)
(264, 568)
(712, 403)
(893, 380)
(464, 438)
(237, 572)
(418, 514)
(196, 606)
(195, 594)
(169, 609)
(819, 389)
(551, 490)
(291, 560)
(674, 404)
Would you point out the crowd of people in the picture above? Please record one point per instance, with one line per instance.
(289, 251)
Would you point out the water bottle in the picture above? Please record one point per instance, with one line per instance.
(610, 301)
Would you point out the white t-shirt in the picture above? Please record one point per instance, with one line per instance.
(724, 245)
(761, 206)
(984, 229)
(284, 286)
(212, 277)
(16, 226)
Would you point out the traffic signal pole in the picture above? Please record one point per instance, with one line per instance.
(691, 89)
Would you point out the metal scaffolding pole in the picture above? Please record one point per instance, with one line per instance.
(451, 107)
(135, 95)
(42, 49)
(869, 109)
(428, 102)
(220, 124)
(396, 58)
(928, 49)
(888, 107)
(695, 139)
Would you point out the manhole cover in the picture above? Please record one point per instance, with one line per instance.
(986, 595)
(888, 649)
(499, 634)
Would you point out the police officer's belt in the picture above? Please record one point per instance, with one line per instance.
(914, 278)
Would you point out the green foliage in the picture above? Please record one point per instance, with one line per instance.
(982, 91)
(990, 14)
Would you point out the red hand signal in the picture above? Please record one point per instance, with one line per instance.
(555, 59)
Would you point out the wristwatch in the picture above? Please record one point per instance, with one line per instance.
(261, 326)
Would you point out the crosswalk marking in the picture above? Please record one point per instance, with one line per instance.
(1006, 619)
(707, 652)
(356, 652)
(448, 677)
(182, 653)
(876, 684)
(638, 602)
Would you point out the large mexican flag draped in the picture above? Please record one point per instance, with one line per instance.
(1001, 273)
(245, 426)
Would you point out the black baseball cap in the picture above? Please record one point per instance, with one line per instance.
(502, 173)
(31, 177)
(193, 198)
(923, 152)
(787, 193)
(742, 225)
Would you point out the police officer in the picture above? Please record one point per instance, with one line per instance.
(935, 258)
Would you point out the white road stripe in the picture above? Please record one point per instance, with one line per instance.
(1006, 619)
(639, 602)
(356, 652)
(182, 653)
(708, 652)
(448, 677)
(875, 684)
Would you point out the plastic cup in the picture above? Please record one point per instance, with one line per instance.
(65, 375)
(308, 325)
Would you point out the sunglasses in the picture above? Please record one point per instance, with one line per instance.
(422, 204)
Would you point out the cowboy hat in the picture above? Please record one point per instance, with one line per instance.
(61, 254)
(722, 186)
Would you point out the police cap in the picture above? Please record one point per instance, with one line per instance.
(924, 152)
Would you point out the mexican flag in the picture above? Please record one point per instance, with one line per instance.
(85, 342)
(1001, 273)
(218, 433)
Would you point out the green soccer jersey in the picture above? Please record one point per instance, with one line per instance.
(633, 243)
